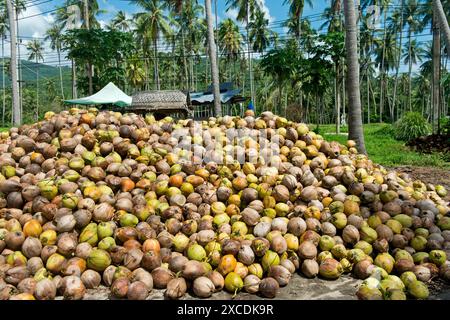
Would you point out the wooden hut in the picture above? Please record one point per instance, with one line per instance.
(162, 103)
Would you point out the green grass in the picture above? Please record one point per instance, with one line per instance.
(3, 129)
(382, 148)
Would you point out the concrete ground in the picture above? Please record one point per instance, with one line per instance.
(300, 288)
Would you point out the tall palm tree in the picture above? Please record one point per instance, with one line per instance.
(296, 8)
(414, 54)
(195, 27)
(412, 18)
(63, 16)
(440, 13)
(396, 24)
(151, 24)
(35, 49)
(260, 34)
(384, 7)
(386, 52)
(121, 21)
(54, 34)
(230, 41)
(213, 58)
(3, 30)
(355, 128)
(246, 10)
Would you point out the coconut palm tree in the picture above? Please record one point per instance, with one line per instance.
(63, 16)
(213, 58)
(151, 24)
(413, 54)
(296, 8)
(386, 51)
(355, 129)
(121, 21)
(35, 49)
(230, 41)
(440, 9)
(3, 30)
(135, 72)
(412, 18)
(54, 34)
(246, 10)
(260, 34)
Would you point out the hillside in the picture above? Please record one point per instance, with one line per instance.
(45, 72)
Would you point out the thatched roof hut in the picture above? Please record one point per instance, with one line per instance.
(161, 103)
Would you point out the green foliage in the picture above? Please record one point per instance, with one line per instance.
(445, 125)
(411, 126)
(115, 47)
(384, 149)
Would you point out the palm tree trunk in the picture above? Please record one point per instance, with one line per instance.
(250, 63)
(409, 71)
(60, 73)
(185, 67)
(397, 67)
(37, 90)
(436, 73)
(443, 23)
(355, 127)
(368, 98)
(213, 58)
(74, 80)
(155, 49)
(3, 81)
(382, 85)
(337, 99)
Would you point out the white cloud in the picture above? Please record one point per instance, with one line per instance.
(34, 26)
(265, 9)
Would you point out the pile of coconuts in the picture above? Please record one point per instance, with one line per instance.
(91, 199)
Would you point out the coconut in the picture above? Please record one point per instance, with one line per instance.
(176, 288)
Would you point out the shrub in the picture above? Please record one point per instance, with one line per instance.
(412, 125)
(445, 125)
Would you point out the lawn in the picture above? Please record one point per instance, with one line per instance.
(382, 148)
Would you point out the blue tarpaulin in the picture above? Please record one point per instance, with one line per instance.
(202, 97)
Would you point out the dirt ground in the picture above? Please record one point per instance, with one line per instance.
(301, 288)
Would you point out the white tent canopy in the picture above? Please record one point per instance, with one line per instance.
(110, 94)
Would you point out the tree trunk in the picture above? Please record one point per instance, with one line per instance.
(3, 80)
(89, 72)
(74, 80)
(409, 71)
(185, 67)
(368, 98)
(17, 119)
(155, 49)
(37, 90)
(337, 98)
(60, 73)
(355, 127)
(213, 58)
(250, 63)
(397, 67)
(436, 95)
(443, 23)
(383, 70)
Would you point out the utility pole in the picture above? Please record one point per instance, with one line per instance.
(14, 83)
